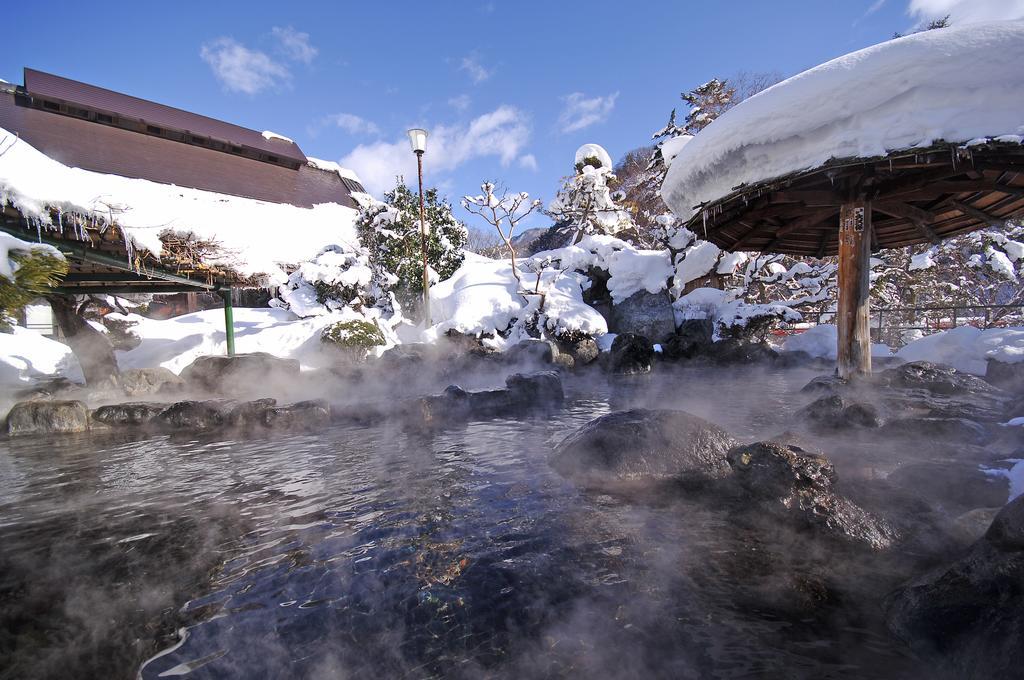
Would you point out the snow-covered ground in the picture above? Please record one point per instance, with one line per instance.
(247, 230)
(967, 348)
(823, 341)
(899, 94)
(26, 356)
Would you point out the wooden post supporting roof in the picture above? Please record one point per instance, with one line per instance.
(854, 351)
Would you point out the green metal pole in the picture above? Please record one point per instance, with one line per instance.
(229, 321)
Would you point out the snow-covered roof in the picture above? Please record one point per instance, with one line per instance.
(957, 85)
(257, 237)
(331, 166)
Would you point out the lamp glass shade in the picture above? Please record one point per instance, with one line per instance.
(418, 139)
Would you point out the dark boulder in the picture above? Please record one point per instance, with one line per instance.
(944, 429)
(248, 413)
(239, 373)
(643, 445)
(536, 389)
(968, 616)
(646, 314)
(532, 350)
(47, 417)
(131, 414)
(583, 350)
(691, 340)
(796, 485)
(630, 354)
(302, 415)
(523, 392)
(193, 416)
(732, 351)
(956, 487)
(1005, 375)
(833, 412)
(935, 378)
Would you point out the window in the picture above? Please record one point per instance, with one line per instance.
(154, 130)
(104, 118)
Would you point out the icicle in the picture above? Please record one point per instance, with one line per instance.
(39, 229)
(704, 217)
(890, 163)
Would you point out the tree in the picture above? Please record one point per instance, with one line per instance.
(27, 271)
(504, 213)
(585, 205)
(390, 234)
(707, 103)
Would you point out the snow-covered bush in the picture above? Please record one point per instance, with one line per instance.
(390, 235)
(336, 278)
(585, 205)
(27, 270)
(731, 316)
(354, 336)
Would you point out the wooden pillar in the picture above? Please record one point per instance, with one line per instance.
(854, 355)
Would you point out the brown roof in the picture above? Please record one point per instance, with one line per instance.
(917, 196)
(49, 86)
(103, 148)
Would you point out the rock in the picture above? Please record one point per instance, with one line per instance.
(1005, 375)
(535, 389)
(131, 414)
(733, 351)
(644, 445)
(47, 417)
(691, 340)
(1007, 530)
(957, 487)
(833, 412)
(968, 616)
(239, 373)
(532, 350)
(935, 378)
(139, 382)
(630, 354)
(945, 429)
(972, 525)
(647, 314)
(825, 384)
(410, 355)
(797, 484)
(583, 350)
(310, 414)
(249, 413)
(194, 416)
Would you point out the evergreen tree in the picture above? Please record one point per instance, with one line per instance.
(34, 270)
(585, 204)
(707, 103)
(390, 234)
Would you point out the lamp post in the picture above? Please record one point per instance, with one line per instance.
(418, 140)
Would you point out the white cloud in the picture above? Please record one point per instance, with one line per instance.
(295, 44)
(460, 103)
(471, 65)
(502, 133)
(581, 112)
(966, 11)
(241, 69)
(529, 162)
(352, 124)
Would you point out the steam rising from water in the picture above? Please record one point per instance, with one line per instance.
(388, 551)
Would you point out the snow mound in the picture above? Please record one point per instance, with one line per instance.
(271, 136)
(967, 348)
(248, 230)
(593, 151)
(727, 312)
(822, 341)
(25, 356)
(960, 84)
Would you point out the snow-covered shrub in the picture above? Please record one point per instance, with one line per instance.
(355, 336)
(27, 270)
(585, 205)
(732, 316)
(390, 235)
(336, 278)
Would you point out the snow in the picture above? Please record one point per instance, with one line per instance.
(248, 230)
(671, 147)
(177, 342)
(923, 260)
(26, 355)
(954, 85)
(593, 151)
(822, 341)
(335, 267)
(1014, 475)
(8, 243)
(272, 136)
(331, 166)
(726, 310)
(696, 262)
(967, 348)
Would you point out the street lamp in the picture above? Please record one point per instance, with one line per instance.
(418, 141)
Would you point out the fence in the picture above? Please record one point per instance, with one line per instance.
(896, 326)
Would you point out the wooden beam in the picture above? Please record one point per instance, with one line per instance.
(965, 187)
(809, 197)
(916, 216)
(978, 214)
(807, 220)
(745, 236)
(854, 350)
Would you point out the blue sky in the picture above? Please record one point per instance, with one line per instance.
(508, 89)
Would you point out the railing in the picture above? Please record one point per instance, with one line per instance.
(896, 326)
